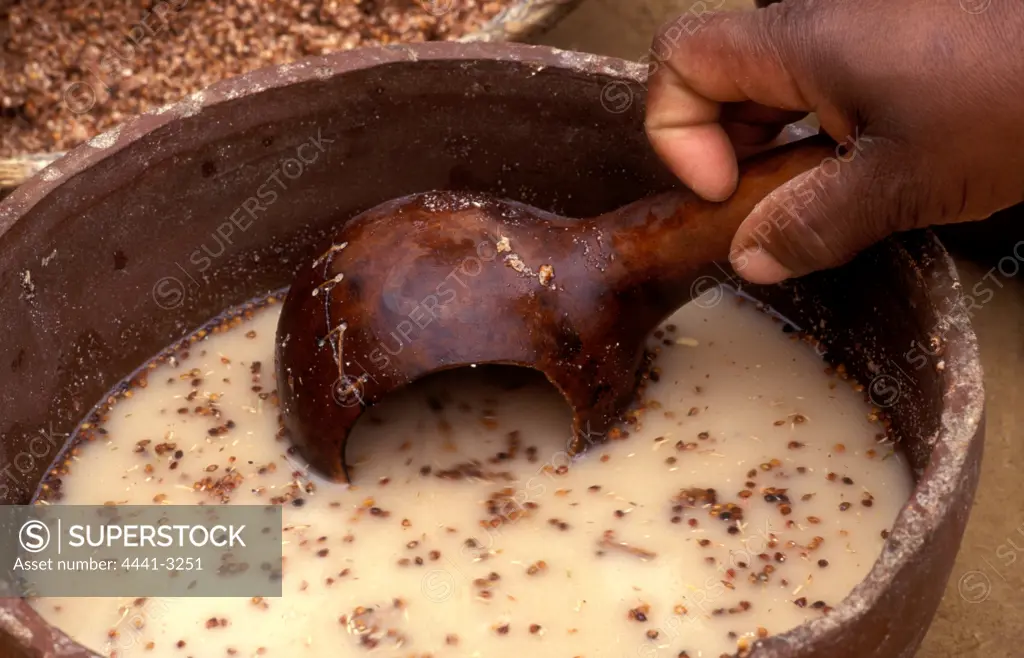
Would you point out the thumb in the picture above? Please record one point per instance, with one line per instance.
(825, 216)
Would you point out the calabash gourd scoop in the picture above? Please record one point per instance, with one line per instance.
(443, 280)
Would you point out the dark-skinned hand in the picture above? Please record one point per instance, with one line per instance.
(926, 98)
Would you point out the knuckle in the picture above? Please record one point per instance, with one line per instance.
(892, 194)
(690, 34)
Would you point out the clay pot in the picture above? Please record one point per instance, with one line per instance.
(105, 259)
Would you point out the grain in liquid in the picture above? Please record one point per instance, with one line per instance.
(753, 495)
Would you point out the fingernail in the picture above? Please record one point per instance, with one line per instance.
(758, 266)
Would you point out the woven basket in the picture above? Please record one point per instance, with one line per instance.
(523, 21)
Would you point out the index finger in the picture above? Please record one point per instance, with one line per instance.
(726, 58)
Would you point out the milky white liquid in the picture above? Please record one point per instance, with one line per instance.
(437, 573)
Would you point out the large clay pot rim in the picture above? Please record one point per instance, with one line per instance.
(963, 403)
(961, 377)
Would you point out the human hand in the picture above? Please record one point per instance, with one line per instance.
(925, 97)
